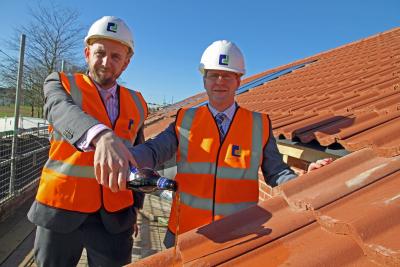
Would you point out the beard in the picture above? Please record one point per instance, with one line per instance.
(104, 77)
(104, 82)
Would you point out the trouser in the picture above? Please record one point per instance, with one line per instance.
(103, 248)
(169, 239)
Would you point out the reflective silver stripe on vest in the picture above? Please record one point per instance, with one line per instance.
(226, 209)
(196, 202)
(69, 169)
(56, 136)
(184, 134)
(76, 94)
(139, 106)
(209, 168)
(222, 172)
(206, 204)
(196, 167)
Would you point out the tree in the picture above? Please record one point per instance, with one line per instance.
(52, 35)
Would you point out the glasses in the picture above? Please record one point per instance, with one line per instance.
(226, 77)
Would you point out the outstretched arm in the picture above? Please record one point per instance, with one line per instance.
(319, 164)
(275, 171)
(156, 151)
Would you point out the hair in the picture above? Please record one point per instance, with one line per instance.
(90, 41)
(206, 70)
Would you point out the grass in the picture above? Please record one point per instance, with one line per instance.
(8, 111)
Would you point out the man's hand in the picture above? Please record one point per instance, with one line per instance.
(111, 161)
(135, 230)
(136, 226)
(319, 163)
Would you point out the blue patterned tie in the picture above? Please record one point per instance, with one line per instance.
(219, 118)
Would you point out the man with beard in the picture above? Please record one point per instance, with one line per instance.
(82, 201)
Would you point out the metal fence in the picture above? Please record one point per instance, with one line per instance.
(21, 170)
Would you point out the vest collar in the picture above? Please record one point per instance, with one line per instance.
(229, 112)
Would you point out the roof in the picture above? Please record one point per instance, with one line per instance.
(326, 217)
(344, 214)
(348, 96)
(159, 120)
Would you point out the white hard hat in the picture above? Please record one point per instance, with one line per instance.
(222, 55)
(113, 28)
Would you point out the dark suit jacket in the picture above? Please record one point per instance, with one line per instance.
(72, 123)
(160, 149)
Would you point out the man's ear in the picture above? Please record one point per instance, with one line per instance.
(238, 80)
(204, 78)
(87, 53)
(126, 63)
(204, 82)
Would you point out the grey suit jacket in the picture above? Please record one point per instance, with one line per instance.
(72, 123)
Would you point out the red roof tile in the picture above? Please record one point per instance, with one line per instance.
(326, 217)
(309, 246)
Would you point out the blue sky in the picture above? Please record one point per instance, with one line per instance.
(170, 36)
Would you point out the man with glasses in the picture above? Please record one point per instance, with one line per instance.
(219, 148)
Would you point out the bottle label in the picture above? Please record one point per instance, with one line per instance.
(162, 182)
(133, 170)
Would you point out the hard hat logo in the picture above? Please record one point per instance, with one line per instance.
(112, 27)
(223, 60)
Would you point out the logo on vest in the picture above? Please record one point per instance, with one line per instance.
(223, 60)
(130, 124)
(112, 27)
(236, 151)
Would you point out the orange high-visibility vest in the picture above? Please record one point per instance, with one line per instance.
(68, 179)
(216, 179)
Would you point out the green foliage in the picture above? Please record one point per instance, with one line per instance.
(8, 111)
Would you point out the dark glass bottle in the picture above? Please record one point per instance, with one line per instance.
(147, 180)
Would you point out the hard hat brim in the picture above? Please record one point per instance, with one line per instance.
(89, 40)
(202, 69)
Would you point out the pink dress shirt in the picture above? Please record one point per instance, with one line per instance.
(110, 100)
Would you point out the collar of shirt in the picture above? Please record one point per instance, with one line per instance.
(112, 90)
(229, 112)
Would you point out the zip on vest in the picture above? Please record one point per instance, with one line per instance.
(216, 165)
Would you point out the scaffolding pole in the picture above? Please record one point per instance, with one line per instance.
(16, 116)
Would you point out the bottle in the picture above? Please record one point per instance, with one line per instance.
(147, 180)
